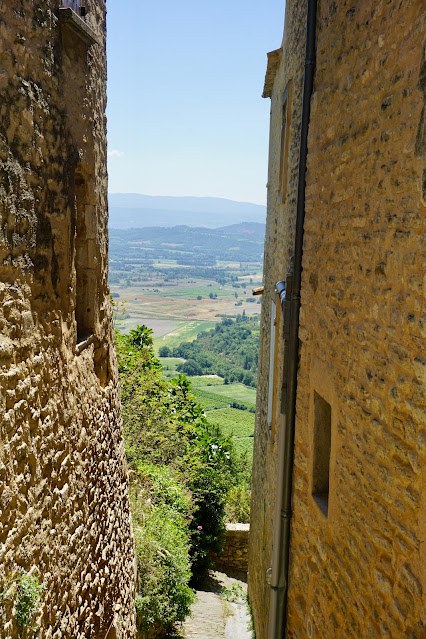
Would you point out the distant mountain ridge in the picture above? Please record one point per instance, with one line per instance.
(135, 210)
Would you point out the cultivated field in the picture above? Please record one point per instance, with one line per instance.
(216, 398)
(179, 302)
(180, 282)
(182, 332)
(238, 392)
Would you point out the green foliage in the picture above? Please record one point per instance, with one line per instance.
(244, 446)
(28, 597)
(165, 426)
(238, 505)
(160, 507)
(190, 367)
(234, 593)
(141, 336)
(26, 591)
(230, 350)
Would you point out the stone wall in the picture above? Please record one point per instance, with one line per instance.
(235, 549)
(279, 240)
(356, 571)
(64, 510)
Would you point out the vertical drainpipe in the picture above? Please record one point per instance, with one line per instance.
(289, 293)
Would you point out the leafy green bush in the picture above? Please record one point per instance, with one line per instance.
(230, 350)
(25, 590)
(181, 468)
(238, 505)
(160, 506)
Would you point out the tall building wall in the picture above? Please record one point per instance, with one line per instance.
(64, 510)
(279, 239)
(357, 537)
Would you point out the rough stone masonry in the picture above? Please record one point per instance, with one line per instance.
(357, 567)
(64, 509)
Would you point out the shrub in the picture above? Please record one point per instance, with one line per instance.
(178, 504)
(238, 505)
(160, 508)
(141, 336)
(26, 591)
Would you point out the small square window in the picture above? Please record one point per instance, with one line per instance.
(322, 449)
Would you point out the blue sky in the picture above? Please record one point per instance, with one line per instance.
(185, 116)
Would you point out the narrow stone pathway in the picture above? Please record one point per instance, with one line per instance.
(220, 611)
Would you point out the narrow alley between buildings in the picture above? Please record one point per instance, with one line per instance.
(220, 610)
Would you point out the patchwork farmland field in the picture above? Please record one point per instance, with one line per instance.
(233, 421)
(184, 274)
(239, 424)
(182, 332)
(217, 398)
(238, 392)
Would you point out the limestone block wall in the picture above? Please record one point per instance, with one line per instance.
(64, 511)
(235, 549)
(357, 570)
(279, 240)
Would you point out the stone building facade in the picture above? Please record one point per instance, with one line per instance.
(357, 544)
(64, 509)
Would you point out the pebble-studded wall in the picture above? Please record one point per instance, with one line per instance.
(64, 510)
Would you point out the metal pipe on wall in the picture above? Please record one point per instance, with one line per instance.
(290, 301)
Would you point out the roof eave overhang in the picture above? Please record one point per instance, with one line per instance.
(274, 59)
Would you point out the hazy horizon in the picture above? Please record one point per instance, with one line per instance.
(185, 113)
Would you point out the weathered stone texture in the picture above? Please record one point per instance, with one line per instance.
(279, 240)
(235, 549)
(358, 571)
(64, 511)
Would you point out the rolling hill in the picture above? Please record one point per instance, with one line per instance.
(134, 210)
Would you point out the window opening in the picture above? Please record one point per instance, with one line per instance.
(271, 364)
(322, 449)
(85, 281)
(78, 6)
(285, 140)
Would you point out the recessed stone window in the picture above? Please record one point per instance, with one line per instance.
(85, 273)
(322, 449)
(272, 349)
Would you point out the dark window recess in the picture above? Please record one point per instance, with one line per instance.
(78, 6)
(322, 448)
(85, 275)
